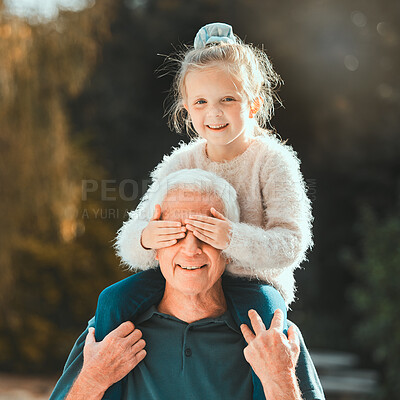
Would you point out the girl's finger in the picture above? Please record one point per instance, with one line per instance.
(201, 218)
(256, 322)
(203, 237)
(157, 213)
(165, 238)
(247, 333)
(201, 225)
(170, 231)
(162, 245)
(217, 214)
(167, 224)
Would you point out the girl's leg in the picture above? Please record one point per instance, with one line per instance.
(127, 298)
(243, 294)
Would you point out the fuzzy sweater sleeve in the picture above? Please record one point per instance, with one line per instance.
(282, 242)
(128, 241)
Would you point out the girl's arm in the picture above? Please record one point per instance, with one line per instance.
(128, 241)
(286, 234)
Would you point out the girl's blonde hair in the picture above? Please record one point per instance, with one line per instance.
(246, 63)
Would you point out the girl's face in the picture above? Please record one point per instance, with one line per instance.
(219, 111)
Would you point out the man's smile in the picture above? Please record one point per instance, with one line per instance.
(191, 267)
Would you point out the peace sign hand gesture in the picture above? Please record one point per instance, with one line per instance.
(273, 356)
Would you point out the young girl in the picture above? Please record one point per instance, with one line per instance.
(224, 93)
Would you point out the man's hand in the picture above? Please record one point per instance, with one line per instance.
(273, 356)
(108, 361)
(216, 230)
(159, 234)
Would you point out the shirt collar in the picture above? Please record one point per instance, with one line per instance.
(226, 318)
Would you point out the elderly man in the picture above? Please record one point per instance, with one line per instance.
(189, 345)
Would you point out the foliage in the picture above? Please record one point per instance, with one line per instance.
(376, 296)
(53, 264)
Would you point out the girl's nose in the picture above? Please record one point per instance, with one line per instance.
(190, 244)
(215, 111)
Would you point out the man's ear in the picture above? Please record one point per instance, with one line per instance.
(156, 257)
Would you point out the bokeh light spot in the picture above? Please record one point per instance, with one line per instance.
(351, 62)
(359, 19)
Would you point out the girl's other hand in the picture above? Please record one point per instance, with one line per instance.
(159, 234)
(215, 230)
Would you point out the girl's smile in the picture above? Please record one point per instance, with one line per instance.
(219, 112)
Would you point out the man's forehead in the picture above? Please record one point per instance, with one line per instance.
(179, 204)
(176, 212)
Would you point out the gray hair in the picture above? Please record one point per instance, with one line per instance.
(200, 181)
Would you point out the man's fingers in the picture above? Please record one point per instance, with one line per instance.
(277, 320)
(140, 356)
(247, 333)
(134, 337)
(125, 329)
(90, 338)
(256, 322)
(139, 345)
(293, 336)
(157, 213)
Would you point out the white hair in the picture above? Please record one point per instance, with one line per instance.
(199, 181)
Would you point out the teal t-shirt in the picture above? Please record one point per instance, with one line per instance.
(196, 361)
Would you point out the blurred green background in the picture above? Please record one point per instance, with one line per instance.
(81, 127)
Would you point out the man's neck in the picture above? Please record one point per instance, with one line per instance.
(194, 307)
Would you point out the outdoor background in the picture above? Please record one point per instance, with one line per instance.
(81, 127)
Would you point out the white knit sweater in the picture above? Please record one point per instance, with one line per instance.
(275, 213)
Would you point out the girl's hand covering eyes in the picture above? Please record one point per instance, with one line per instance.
(159, 234)
(215, 231)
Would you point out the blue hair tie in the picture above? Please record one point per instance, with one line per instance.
(213, 33)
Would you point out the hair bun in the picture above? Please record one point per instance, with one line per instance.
(213, 33)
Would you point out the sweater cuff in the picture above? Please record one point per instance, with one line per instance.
(237, 249)
(129, 248)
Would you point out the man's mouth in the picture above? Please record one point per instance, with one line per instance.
(217, 127)
(191, 267)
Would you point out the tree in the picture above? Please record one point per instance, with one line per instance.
(53, 262)
(376, 296)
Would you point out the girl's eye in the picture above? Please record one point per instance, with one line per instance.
(229, 99)
(200, 102)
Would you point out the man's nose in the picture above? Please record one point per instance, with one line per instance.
(190, 245)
